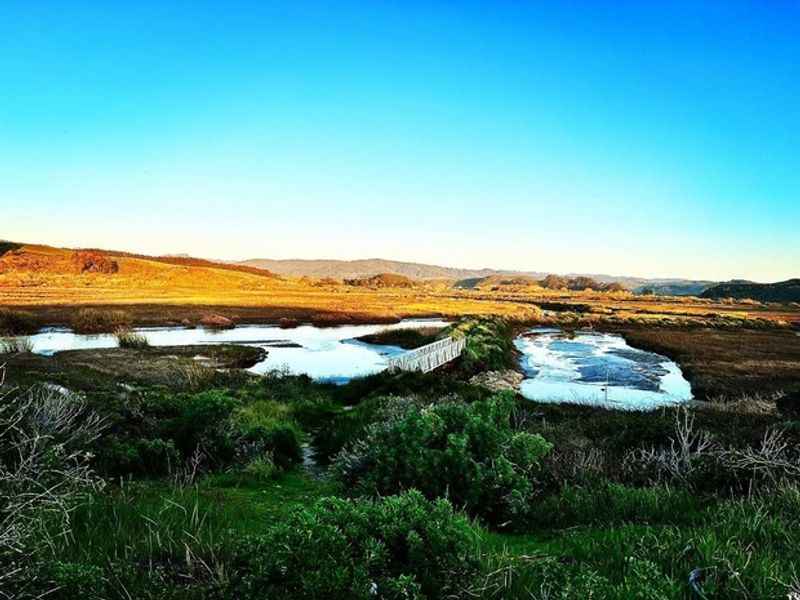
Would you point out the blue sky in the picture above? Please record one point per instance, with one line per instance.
(640, 138)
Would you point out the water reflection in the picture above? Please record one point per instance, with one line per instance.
(326, 354)
(597, 369)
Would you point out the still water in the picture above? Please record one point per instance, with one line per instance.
(598, 369)
(323, 353)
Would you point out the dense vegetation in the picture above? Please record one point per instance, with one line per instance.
(468, 452)
(782, 291)
(489, 344)
(18, 322)
(558, 282)
(392, 486)
(381, 280)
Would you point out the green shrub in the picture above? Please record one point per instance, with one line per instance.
(203, 423)
(18, 322)
(466, 452)
(154, 431)
(397, 547)
(94, 321)
(489, 344)
(282, 441)
(138, 456)
(296, 397)
(262, 468)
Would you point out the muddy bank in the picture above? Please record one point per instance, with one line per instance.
(95, 369)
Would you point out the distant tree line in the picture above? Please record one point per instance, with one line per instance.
(559, 282)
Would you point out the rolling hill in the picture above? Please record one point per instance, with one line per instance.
(355, 269)
(782, 291)
(466, 278)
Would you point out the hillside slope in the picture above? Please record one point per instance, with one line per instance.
(466, 278)
(354, 269)
(782, 291)
(41, 272)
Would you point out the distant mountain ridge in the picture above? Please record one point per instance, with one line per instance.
(355, 269)
(782, 291)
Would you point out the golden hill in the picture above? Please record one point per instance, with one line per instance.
(34, 274)
(54, 281)
(59, 279)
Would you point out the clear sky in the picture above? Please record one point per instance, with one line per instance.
(639, 138)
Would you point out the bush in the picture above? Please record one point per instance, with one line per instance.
(93, 321)
(466, 452)
(87, 261)
(281, 441)
(156, 431)
(398, 547)
(130, 339)
(18, 322)
(262, 468)
(489, 344)
(203, 423)
(139, 456)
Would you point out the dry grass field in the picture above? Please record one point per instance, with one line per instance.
(52, 282)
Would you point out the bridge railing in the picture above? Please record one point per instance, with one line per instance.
(429, 357)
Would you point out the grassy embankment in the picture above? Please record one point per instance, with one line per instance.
(563, 502)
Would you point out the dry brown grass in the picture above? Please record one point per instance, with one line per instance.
(728, 363)
(92, 321)
(43, 280)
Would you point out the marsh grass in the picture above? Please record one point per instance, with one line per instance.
(94, 321)
(156, 540)
(619, 542)
(18, 322)
(127, 338)
(19, 345)
(142, 537)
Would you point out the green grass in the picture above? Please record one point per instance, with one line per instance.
(644, 543)
(154, 540)
(588, 536)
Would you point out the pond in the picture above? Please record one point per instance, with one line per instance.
(324, 353)
(597, 369)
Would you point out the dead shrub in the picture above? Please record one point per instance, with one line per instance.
(44, 469)
(86, 261)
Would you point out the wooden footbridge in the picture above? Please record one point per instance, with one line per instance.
(429, 357)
